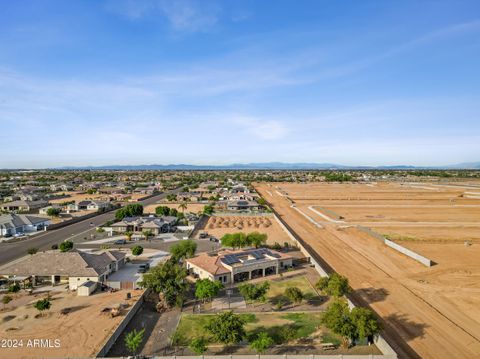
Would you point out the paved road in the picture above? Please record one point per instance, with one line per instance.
(44, 241)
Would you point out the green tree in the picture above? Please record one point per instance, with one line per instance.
(183, 206)
(147, 233)
(294, 294)
(366, 323)
(261, 343)
(53, 212)
(6, 299)
(128, 235)
(254, 292)
(162, 211)
(42, 305)
(130, 210)
(66, 246)
(198, 346)
(337, 318)
(256, 239)
(335, 285)
(32, 251)
(167, 278)
(261, 201)
(227, 328)
(133, 340)
(206, 289)
(208, 209)
(183, 249)
(171, 197)
(137, 250)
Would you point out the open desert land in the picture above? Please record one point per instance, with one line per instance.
(221, 225)
(77, 197)
(81, 332)
(432, 310)
(191, 207)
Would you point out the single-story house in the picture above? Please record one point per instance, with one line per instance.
(242, 205)
(87, 205)
(11, 224)
(75, 267)
(237, 266)
(23, 206)
(157, 225)
(44, 210)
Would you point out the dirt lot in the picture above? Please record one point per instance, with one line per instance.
(218, 226)
(433, 311)
(191, 207)
(80, 333)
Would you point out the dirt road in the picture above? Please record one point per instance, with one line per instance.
(390, 284)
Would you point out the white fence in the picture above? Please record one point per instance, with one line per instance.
(419, 258)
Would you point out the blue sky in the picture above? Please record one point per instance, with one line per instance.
(213, 82)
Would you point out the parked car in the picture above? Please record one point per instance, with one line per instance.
(203, 235)
(143, 268)
(213, 239)
(120, 241)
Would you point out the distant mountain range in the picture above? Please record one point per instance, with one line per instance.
(270, 166)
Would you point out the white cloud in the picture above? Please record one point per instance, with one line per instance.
(263, 129)
(182, 15)
(187, 15)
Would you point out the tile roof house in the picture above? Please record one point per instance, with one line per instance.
(236, 266)
(74, 267)
(11, 224)
(157, 225)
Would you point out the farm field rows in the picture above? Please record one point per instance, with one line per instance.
(432, 310)
(221, 225)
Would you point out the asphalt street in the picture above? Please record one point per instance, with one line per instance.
(44, 241)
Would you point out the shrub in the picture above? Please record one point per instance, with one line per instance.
(66, 246)
(137, 250)
(198, 346)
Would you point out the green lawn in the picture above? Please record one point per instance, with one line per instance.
(277, 288)
(282, 327)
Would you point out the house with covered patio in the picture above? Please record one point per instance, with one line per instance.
(74, 268)
(237, 266)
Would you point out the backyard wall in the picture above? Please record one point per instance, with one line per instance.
(121, 327)
(285, 356)
(324, 269)
(419, 258)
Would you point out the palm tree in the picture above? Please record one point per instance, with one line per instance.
(129, 235)
(183, 206)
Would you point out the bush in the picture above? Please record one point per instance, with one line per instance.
(137, 250)
(261, 343)
(66, 246)
(198, 346)
(54, 246)
(14, 288)
(32, 251)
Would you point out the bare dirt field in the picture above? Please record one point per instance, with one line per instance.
(80, 333)
(191, 207)
(218, 226)
(432, 310)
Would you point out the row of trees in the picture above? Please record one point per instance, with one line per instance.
(351, 324)
(130, 210)
(241, 240)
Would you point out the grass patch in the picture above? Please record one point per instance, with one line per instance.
(282, 327)
(278, 287)
(193, 326)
